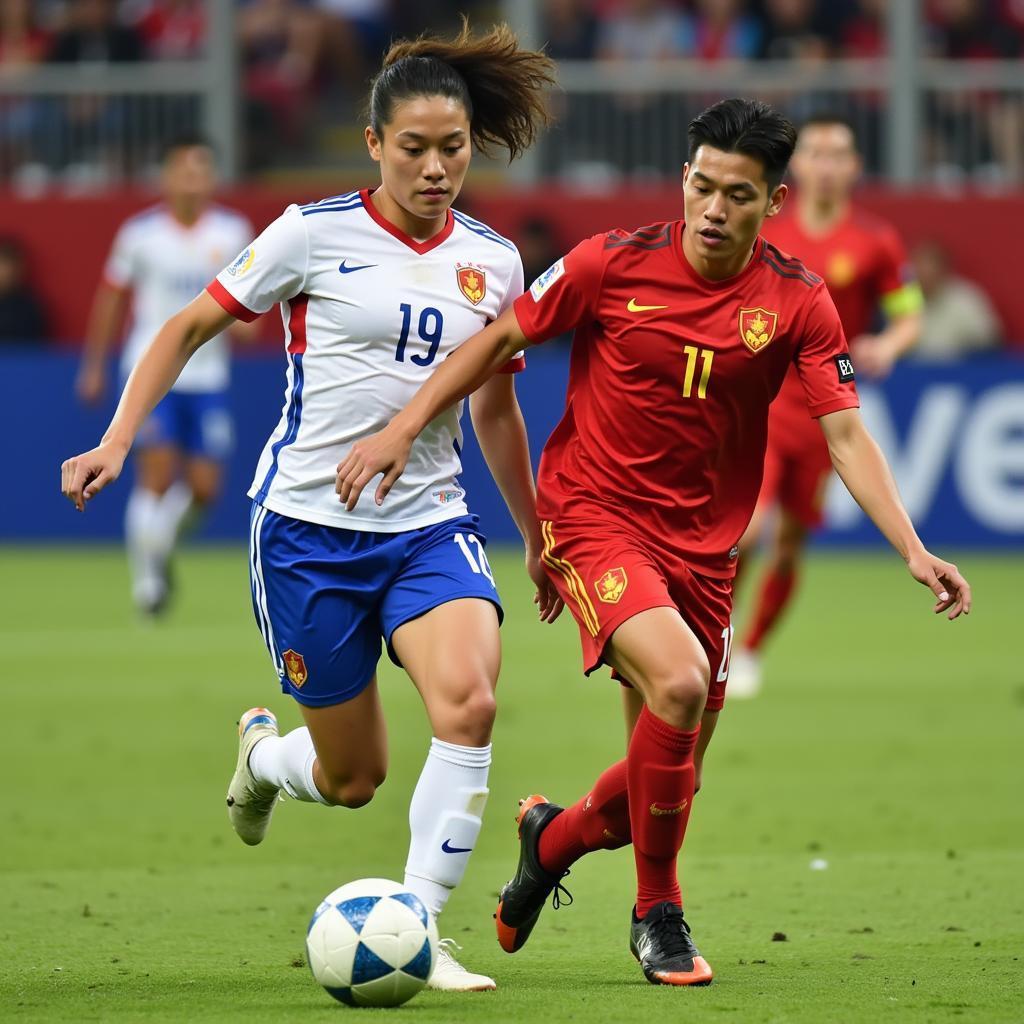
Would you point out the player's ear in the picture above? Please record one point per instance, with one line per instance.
(373, 143)
(776, 199)
(686, 173)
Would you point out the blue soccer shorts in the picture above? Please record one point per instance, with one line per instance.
(324, 597)
(198, 423)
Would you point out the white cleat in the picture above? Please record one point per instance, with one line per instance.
(250, 803)
(744, 675)
(450, 976)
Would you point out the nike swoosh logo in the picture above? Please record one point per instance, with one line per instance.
(351, 270)
(454, 849)
(660, 812)
(634, 307)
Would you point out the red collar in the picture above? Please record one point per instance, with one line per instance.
(418, 247)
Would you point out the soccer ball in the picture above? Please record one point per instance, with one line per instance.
(371, 943)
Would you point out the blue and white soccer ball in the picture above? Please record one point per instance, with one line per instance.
(372, 943)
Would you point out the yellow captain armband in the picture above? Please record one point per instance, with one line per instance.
(908, 299)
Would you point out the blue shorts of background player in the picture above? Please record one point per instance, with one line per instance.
(196, 423)
(325, 597)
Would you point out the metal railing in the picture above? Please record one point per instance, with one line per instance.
(966, 118)
(97, 124)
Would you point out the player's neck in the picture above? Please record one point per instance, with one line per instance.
(186, 214)
(820, 218)
(418, 229)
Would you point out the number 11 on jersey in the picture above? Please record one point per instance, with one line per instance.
(706, 356)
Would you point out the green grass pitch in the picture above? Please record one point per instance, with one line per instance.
(888, 744)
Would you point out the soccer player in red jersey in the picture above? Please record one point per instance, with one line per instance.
(684, 333)
(865, 269)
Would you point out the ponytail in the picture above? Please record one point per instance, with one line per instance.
(500, 85)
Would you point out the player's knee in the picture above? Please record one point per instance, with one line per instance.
(468, 717)
(204, 495)
(683, 689)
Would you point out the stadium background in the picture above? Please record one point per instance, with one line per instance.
(936, 88)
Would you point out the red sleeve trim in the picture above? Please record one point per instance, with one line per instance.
(515, 365)
(229, 302)
(836, 405)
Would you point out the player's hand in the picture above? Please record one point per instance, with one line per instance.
(384, 452)
(91, 384)
(952, 592)
(872, 356)
(83, 476)
(549, 604)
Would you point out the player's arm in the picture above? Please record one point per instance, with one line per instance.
(862, 466)
(465, 370)
(902, 304)
(85, 475)
(501, 432)
(105, 320)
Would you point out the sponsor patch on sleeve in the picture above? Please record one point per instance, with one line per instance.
(547, 279)
(844, 365)
(242, 262)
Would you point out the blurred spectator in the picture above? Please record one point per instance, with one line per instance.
(172, 29)
(861, 34)
(83, 134)
(281, 46)
(958, 316)
(93, 33)
(793, 31)
(640, 30)
(720, 30)
(538, 247)
(570, 29)
(21, 313)
(23, 42)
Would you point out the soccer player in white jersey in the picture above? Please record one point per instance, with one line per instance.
(161, 259)
(377, 287)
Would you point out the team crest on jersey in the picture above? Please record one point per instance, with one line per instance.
(243, 262)
(472, 282)
(841, 269)
(295, 666)
(757, 327)
(612, 585)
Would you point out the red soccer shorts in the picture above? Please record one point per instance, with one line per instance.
(606, 574)
(796, 477)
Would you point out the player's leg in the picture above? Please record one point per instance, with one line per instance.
(315, 598)
(441, 618)
(157, 462)
(802, 485)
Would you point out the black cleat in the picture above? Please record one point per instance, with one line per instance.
(522, 899)
(662, 944)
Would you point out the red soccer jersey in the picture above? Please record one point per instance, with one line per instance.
(670, 381)
(862, 261)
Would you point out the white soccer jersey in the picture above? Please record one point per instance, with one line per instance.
(166, 265)
(368, 314)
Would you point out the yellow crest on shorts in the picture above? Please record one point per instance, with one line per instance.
(612, 584)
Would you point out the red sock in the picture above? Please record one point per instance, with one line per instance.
(600, 821)
(660, 770)
(771, 603)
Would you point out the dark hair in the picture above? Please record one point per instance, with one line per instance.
(500, 85)
(185, 140)
(830, 119)
(749, 127)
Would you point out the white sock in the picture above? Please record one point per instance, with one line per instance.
(139, 517)
(287, 763)
(444, 819)
(171, 510)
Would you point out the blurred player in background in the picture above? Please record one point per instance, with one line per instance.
(161, 259)
(865, 269)
(684, 333)
(376, 287)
